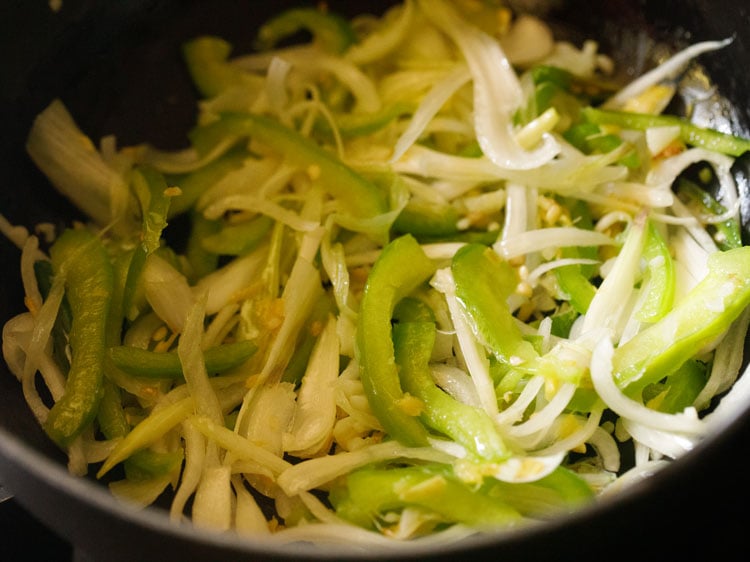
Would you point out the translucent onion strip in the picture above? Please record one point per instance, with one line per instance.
(601, 375)
(438, 95)
(665, 71)
(545, 238)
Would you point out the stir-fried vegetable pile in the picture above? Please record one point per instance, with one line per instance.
(438, 271)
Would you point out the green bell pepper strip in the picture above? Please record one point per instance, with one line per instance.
(202, 261)
(83, 259)
(155, 364)
(483, 283)
(206, 60)
(333, 32)
(238, 239)
(400, 269)
(679, 390)
(574, 280)
(467, 425)
(357, 195)
(360, 124)
(690, 134)
(660, 276)
(728, 233)
(705, 313)
(368, 494)
(560, 491)
(421, 218)
(150, 188)
(589, 139)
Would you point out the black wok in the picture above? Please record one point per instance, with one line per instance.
(117, 67)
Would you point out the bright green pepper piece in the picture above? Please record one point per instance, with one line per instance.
(467, 425)
(689, 133)
(679, 390)
(426, 219)
(728, 233)
(334, 33)
(202, 261)
(370, 493)
(88, 289)
(155, 364)
(360, 124)
(400, 269)
(660, 273)
(483, 282)
(238, 239)
(560, 491)
(705, 313)
(206, 60)
(357, 195)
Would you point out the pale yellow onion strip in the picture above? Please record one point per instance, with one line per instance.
(315, 411)
(300, 294)
(515, 411)
(77, 463)
(262, 206)
(212, 504)
(665, 71)
(42, 331)
(167, 291)
(148, 431)
(381, 41)
(225, 285)
(664, 443)
(190, 352)
(607, 306)
(195, 452)
(16, 234)
(726, 364)
(240, 447)
(686, 422)
(667, 171)
(544, 417)
(430, 105)
(311, 474)
(310, 61)
(248, 518)
(140, 492)
(693, 227)
(220, 325)
(540, 270)
(30, 254)
(275, 89)
(497, 91)
(555, 237)
(606, 447)
(471, 349)
(578, 437)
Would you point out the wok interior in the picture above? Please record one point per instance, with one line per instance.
(118, 68)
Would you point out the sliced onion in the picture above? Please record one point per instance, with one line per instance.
(686, 422)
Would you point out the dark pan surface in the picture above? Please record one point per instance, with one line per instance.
(117, 67)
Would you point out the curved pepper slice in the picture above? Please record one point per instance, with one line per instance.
(471, 427)
(399, 270)
(704, 314)
(483, 282)
(88, 288)
(357, 195)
